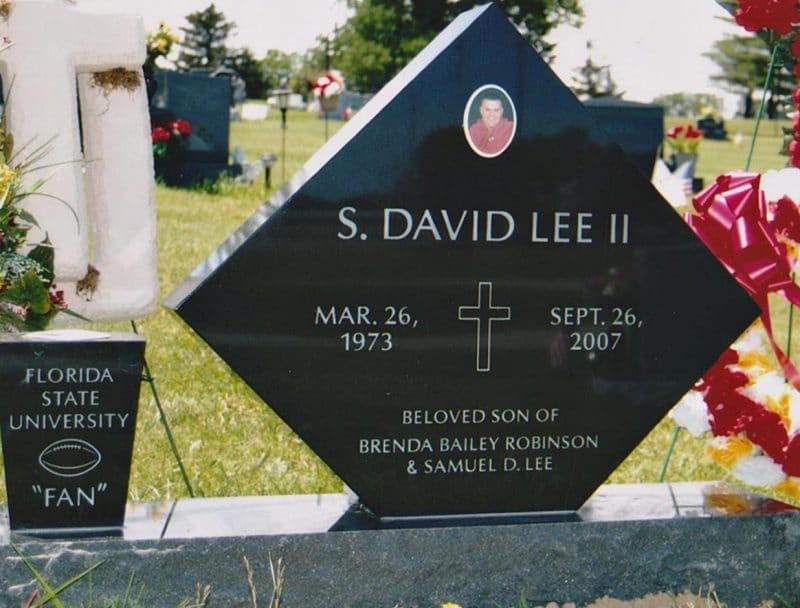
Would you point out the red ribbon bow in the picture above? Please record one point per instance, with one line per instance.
(732, 221)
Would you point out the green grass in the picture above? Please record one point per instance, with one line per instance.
(231, 443)
(718, 157)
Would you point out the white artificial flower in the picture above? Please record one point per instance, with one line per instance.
(771, 384)
(758, 471)
(691, 413)
(751, 340)
(333, 88)
(794, 410)
(777, 184)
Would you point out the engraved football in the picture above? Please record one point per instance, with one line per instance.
(69, 457)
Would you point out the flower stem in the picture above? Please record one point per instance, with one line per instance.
(773, 60)
(669, 453)
(791, 322)
(148, 377)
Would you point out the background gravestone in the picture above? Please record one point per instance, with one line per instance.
(204, 101)
(637, 128)
(67, 421)
(457, 331)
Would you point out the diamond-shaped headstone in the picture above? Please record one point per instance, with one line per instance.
(461, 325)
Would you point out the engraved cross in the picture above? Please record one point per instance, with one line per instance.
(484, 313)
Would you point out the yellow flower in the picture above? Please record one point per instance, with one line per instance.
(730, 503)
(450, 605)
(728, 451)
(789, 487)
(781, 407)
(8, 178)
(754, 359)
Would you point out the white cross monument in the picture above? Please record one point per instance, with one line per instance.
(55, 50)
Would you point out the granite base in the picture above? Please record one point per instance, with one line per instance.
(629, 541)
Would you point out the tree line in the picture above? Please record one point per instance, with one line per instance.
(382, 36)
(378, 39)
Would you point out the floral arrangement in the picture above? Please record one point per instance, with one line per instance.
(29, 298)
(684, 139)
(777, 18)
(744, 402)
(170, 136)
(329, 85)
(160, 43)
(748, 403)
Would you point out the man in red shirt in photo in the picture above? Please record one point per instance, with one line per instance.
(492, 132)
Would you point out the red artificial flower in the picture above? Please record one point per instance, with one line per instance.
(792, 464)
(786, 218)
(57, 299)
(766, 430)
(794, 153)
(160, 135)
(692, 133)
(795, 48)
(675, 132)
(182, 127)
(776, 15)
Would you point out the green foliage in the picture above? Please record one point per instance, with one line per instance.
(743, 62)
(689, 105)
(382, 36)
(250, 70)
(26, 302)
(204, 40)
(278, 67)
(594, 80)
(51, 594)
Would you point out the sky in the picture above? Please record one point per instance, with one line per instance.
(652, 47)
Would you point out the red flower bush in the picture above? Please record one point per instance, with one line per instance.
(776, 15)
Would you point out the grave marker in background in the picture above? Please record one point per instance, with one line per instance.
(204, 101)
(637, 128)
(457, 331)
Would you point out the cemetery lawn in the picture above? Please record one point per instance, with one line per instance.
(230, 442)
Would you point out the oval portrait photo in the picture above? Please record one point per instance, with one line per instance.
(490, 120)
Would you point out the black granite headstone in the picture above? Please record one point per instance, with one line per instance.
(205, 102)
(67, 421)
(465, 312)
